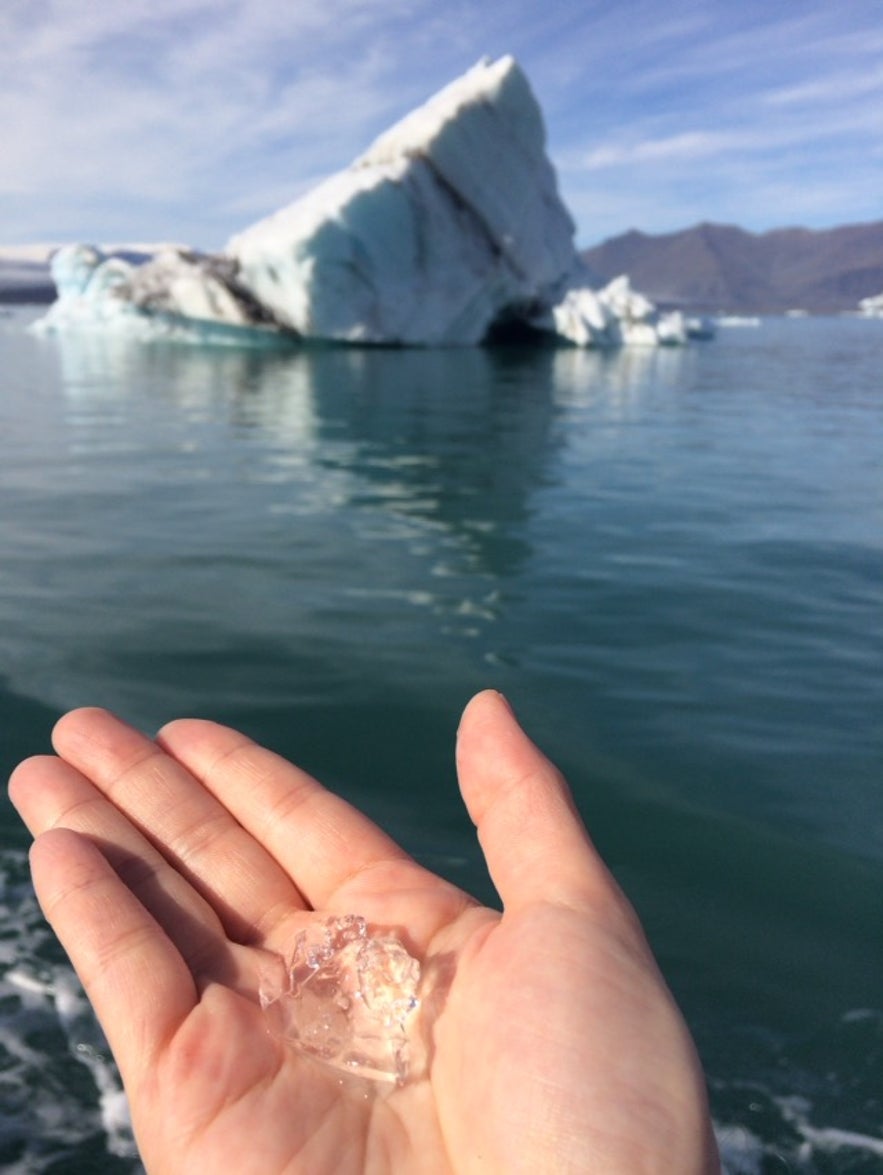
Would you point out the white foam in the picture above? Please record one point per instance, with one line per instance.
(741, 1152)
(796, 1111)
(30, 984)
(90, 1048)
(45, 1020)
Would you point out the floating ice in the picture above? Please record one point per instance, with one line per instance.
(609, 317)
(346, 997)
(871, 307)
(448, 230)
(449, 221)
(173, 292)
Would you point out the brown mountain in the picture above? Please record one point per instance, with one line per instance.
(717, 267)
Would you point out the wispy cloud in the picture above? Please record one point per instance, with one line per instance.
(832, 90)
(685, 145)
(188, 118)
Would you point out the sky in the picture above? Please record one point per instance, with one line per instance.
(186, 120)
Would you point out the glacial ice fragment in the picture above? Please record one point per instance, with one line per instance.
(346, 997)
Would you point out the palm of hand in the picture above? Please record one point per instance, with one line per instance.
(551, 1043)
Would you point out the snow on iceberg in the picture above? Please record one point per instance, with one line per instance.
(448, 230)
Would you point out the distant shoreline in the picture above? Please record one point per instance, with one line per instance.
(37, 295)
(24, 275)
(721, 268)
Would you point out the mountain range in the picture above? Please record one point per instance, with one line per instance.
(718, 268)
(709, 268)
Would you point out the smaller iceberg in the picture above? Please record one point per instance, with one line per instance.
(613, 316)
(448, 231)
(173, 292)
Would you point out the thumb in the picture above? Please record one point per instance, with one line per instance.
(534, 841)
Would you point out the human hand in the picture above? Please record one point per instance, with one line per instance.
(169, 868)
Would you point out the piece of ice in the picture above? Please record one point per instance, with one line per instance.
(347, 996)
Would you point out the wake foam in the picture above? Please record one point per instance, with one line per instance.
(62, 1105)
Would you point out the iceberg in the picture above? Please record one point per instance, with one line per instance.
(450, 220)
(871, 307)
(173, 291)
(448, 230)
(613, 316)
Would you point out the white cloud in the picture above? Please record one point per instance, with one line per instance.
(161, 103)
(186, 118)
(684, 145)
(834, 89)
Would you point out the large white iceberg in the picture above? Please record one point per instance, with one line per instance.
(450, 219)
(448, 230)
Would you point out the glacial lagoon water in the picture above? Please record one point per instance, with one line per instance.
(670, 561)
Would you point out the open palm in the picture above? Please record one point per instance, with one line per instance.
(169, 868)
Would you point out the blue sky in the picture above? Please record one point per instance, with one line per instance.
(187, 119)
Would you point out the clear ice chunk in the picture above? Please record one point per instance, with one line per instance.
(347, 997)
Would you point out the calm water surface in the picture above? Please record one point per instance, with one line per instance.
(671, 562)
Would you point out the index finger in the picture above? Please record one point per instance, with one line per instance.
(316, 836)
(338, 857)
